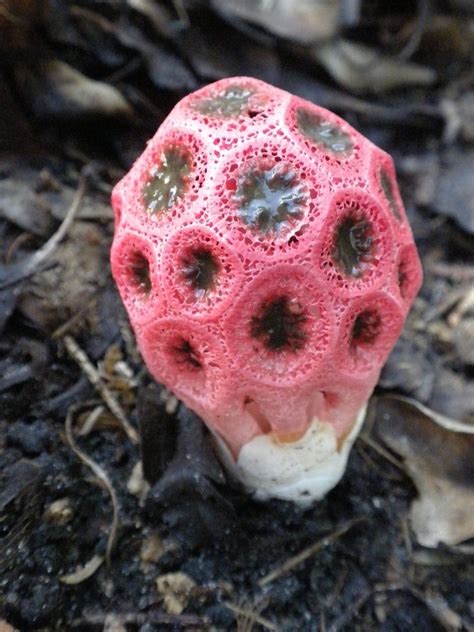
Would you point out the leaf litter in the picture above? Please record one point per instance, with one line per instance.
(149, 55)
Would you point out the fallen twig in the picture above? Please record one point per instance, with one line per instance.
(382, 451)
(344, 619)
(94, 378)
(101, 475)
(250, 618)
(18, 272)
(306, 553)
(138, 618)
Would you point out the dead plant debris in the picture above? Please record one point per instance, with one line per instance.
(85, 84)
(437, 454)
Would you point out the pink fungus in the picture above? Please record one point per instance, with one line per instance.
(264, 257)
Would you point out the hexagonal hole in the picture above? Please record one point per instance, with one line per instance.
(167, 181)
(185, 354)
(353, 249)
(279, 325)
(138, 271)
(269, 198)
(365, 330)
(230, 102)
(324, 133)
(199, 269)
(388, 190)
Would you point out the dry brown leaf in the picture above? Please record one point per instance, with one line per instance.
(18, 22)
(6, 627)
(305, 21)
(438, 455)
(55, 89)
(363, 69)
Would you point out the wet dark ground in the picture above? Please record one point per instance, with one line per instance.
(370, 574)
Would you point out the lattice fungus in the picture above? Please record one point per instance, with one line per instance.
(265, 260)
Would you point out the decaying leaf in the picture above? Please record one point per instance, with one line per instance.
(305, 21)
(6, 627)
(438, 455)
(22, 206)
(54, 89)
(410, 369)
(53, 296)
(165, 68)
(455, 191)
(14, 126)
(21, 498)
(463, 339)
(362, 69)
(157, 14)
(453, 395)
(175, 589)
(448, 36)
(18, 21)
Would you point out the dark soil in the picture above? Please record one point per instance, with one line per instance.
(370, 574)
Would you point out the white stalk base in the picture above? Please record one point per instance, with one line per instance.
(302, 471)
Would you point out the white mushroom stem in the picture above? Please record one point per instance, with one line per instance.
(302, 471)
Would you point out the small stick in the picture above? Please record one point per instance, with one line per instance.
(94, 378)
(65, 327)
(91, 421)
(101, 475)
(344, 619)
(296, 560)
(252, 616)
(382, 451)
(461, 308)
(31, 265)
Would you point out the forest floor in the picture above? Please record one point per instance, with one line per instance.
(82, 545)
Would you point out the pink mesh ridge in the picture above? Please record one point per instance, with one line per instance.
(264, 257)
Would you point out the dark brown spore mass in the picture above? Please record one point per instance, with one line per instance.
(366, 328)
(140, 272)
(387, 188)
(323, 132)
(168, 181)
(199, 269)
(231, 102)
(270, 199)
(353, 245)
(280, 325)
(186, 354)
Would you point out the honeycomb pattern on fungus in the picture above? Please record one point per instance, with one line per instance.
(265, 260)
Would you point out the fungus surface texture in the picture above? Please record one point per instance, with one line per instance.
(265, 260)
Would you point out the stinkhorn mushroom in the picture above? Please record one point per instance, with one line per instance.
(264, 257)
